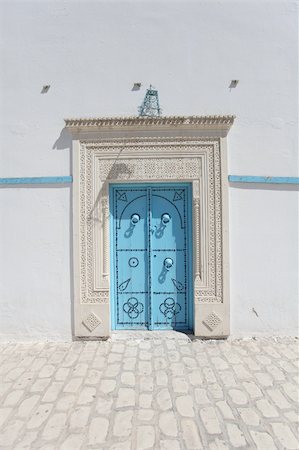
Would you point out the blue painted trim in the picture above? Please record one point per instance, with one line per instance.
(257, 179)
(37, 180)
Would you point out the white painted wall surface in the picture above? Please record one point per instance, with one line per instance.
(91, 53)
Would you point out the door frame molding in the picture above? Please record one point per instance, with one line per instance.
(154, 184)
(134, 150)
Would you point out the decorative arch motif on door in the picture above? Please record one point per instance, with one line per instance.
(140, 150)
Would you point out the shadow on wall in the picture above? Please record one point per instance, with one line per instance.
(64, 141)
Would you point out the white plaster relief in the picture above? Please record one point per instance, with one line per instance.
(212, 321)
(91, 321)
(197, 161)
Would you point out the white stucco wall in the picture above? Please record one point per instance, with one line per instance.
(91, 53)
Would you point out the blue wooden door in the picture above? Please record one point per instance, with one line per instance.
(151, 256)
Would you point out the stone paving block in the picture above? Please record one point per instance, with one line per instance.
(54, 426)
(52, 392)
(219, 444)
(26, 441)
(104, 405)
(169, 444)
(13, 398)
(195, 377)
(145, 414)
(123, 423)
(177, 369)
(249, 416)
(128, 378)
(65, 402)
(215, 391)
(145, 400)
(72, 442)
(73, 385)
(112, 371)
(98, 431)
(40, 385)
(191, 435)
(62, 373)
(168, 424)
(114, 357)
(46, 371)
(291, 391)
(252, 389)
(87, 395)
(27, 406)
(161, 378)
(266, 408)
(10, 433)
(93, 377)
(145, 437)
(219, 363)
(4, 413)
(279, 399)
(107, 386)
(201, 396)
(129, 364)
(225, 409)
(180, 385)
(79, 417)
(121, 446)
(164, 400)
(264, 379)
(146, 384)
(263, 441)
(185, 406)
(285, 436)
(40, 416)
(126, 397)
(238, 397)
(227, 378)
(235, 435)
(210, 420)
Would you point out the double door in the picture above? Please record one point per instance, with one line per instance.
(151, 256)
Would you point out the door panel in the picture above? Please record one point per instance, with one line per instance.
(169, 265)
(152, 262)
(131, 259)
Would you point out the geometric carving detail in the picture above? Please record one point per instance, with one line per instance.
(91, 321)
(212, 321)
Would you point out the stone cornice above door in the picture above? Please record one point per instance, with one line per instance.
(208, 126)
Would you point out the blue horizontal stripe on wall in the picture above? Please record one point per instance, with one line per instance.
(37, 180)
(257, 179)
(231, 178)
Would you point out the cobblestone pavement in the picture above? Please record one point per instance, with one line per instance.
(157, 393)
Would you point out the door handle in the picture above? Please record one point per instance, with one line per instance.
(135, 219)
(165, 218)
(168, 263)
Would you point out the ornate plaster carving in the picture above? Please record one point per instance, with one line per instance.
(145, 159)
(212, 321)
(147, 121)
(91, 321)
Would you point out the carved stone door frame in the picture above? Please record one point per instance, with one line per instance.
(157, 149)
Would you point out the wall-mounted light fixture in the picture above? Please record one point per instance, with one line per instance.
(136, 87)
(233, 84)
(45, 89)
